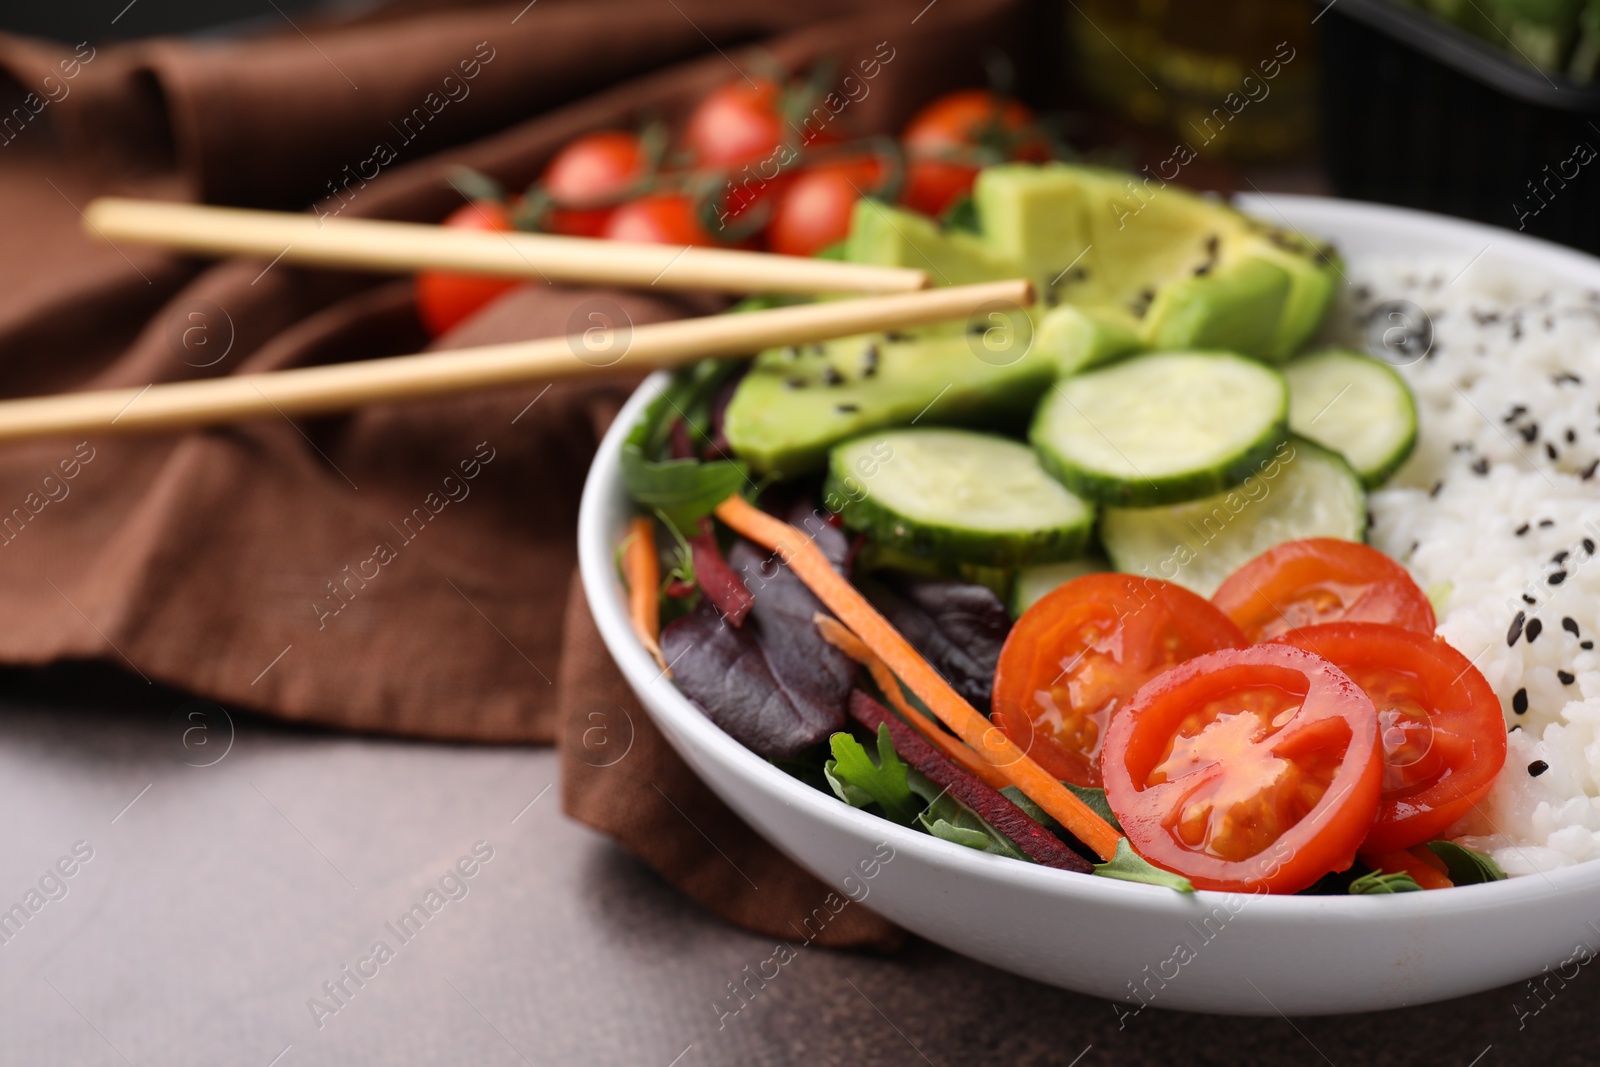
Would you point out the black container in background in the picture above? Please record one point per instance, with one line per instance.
(1419, 113)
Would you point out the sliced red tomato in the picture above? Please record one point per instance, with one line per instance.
(951, 139)
(1251, 769)
(814, 211)
(660, 218)
(1442, 733)
(1321, 580)
(740, 122)
(1076, 657)
(588, 176)
(445, 298)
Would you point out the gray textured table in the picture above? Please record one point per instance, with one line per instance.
(226, 885)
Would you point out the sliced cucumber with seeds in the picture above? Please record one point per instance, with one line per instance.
(1303, 490)
(956, 496)
(1035, 582)
(1356, 405)
(1161, 428)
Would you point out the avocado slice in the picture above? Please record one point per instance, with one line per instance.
(796, 403)
(1189, 271)
(893, 237)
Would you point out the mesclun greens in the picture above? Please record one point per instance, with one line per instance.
(858, 781)
(1466, 866)
(684, 490)
(1127, 866)
(1384, 882)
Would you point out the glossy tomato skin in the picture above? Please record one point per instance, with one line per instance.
(738, 123)
(588, 176)
(1322, 580)
(445, 298)
(815, 210)
(944, 139)
(660, 218)
(1248, 770)
(1441, 731)
(1077, 656)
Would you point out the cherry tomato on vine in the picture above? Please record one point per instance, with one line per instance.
(1076, 657)
(814, 211)
(1322, 580)
(1441, 731)
(1254, 769)
(445, 298)
(740, 122)
(588, 177)
(659, 218)
(951, 139)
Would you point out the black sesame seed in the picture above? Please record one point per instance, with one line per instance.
(1535, 627)
(1516, 412)
(1526, 599)
(792, 352)
(1572, 436)
(1588, 472)
(846, 409)
(1557, 578)
(1567, 677)
(794, 383)
(1559, 557)
(1530, 432)
(1538, 767)
(1481, 467)
(1516, 628)
(1519, 702)
(1436, 487)
(1567, 376)
(1550, 450)
(1545, 524)
(1586, 645)
(894, 337)
(1522, 529)
(831, 376)
(1588, 545)
(869, 356)
(1569, 624)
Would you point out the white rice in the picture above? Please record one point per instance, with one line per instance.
(1501, 344)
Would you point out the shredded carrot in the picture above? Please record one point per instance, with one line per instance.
(839, 637)
(1426, 869)
(641, 569)
(808, 563)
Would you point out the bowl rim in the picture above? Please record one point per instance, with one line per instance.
(598, 522)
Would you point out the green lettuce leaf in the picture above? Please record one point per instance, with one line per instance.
(1129, 866)
(949, 819)
(682, 491)
(1466, 867)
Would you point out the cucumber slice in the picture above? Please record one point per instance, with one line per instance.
(1356, 405)
(1303, 490)
(1161, 428)
(957, 496)
(1033, 583)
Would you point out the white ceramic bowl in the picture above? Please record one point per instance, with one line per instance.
(1134, 943)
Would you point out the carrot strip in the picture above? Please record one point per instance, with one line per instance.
(836, 635)
(641, 569)
(808, 564)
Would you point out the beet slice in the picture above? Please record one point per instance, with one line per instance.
(1039, 844)
(958, 627)
(721, 585)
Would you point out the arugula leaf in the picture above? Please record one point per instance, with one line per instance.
(853, 773)
(949, 819)
(1129, 866)
(682, 491)
(1381, 882)
(1466, 866)
(963, 216)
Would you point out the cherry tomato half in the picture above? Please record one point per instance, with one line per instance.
(660, 218)
(1076, 657)
(951, 139)
(1322, 580)
(1251, 769)
(445, 298)
(1441, 730)
(587, 177)
(815, 210)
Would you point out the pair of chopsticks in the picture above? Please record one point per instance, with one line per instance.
(897, 301)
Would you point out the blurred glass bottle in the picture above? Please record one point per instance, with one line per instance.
(1234, 77)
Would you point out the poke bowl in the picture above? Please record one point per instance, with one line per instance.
(1448, 290)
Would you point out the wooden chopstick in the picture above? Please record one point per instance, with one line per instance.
(341, 386)
(402, 247)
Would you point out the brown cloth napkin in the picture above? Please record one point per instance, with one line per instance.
(405, 569)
